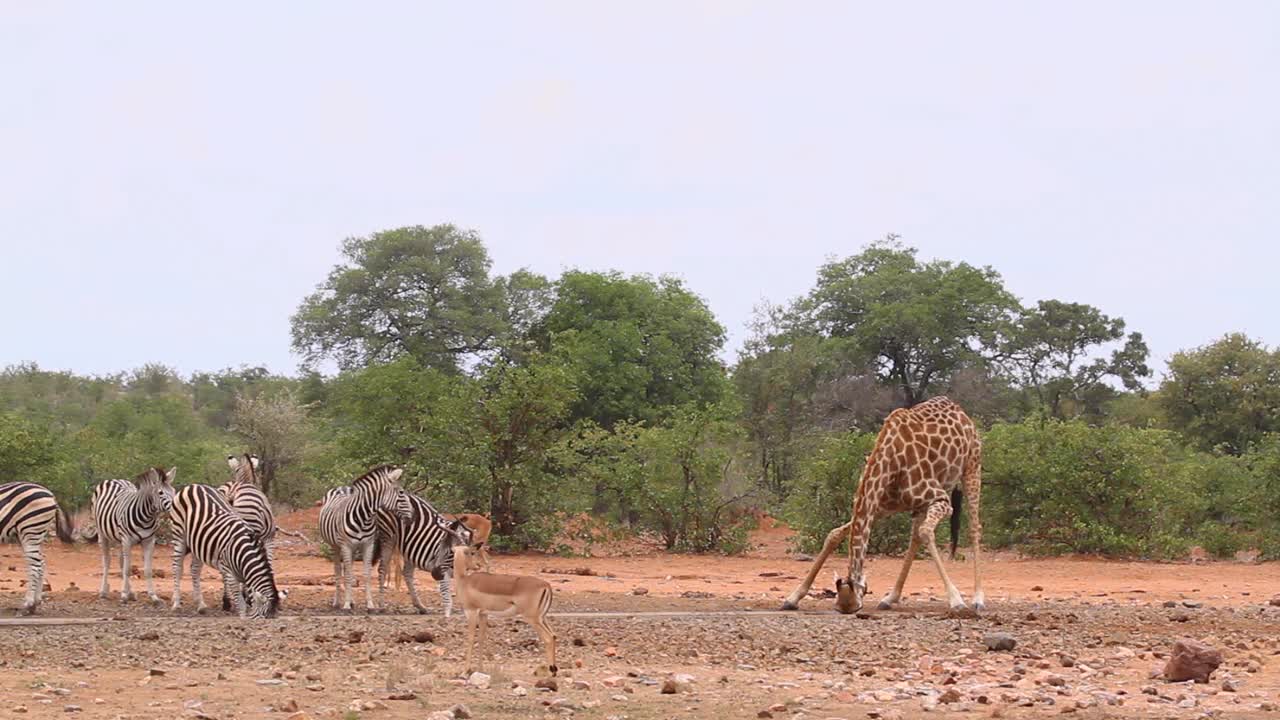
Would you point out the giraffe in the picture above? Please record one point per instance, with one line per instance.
(921, 454)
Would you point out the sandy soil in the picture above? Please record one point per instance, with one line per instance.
(1108, 619)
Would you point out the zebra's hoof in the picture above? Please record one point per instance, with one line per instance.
(420, 610)
(27, 610)
(104, 595)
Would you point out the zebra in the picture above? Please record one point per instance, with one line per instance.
(206, 526)
(127, 513)
(251, 504)
(426, 542)
(27, 511)
(348, 520)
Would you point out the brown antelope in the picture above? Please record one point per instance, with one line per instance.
(501, 595)
(480, 527)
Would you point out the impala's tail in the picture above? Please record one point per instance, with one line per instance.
(957, 501)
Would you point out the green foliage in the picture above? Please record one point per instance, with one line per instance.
(1224, 394)
(823, 498)
(638, 346)
(1053, 487)
(1052, 348)
(416, 291)
(915, 322)
(28, 451)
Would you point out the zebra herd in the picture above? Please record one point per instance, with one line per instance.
(232, 528)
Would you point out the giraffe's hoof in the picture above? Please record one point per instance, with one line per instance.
(979, 606)
(788, 605)
(103, 595)
(884, 605)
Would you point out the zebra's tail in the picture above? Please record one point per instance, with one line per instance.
(65, 527)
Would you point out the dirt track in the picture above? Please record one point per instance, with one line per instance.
(1108, 618)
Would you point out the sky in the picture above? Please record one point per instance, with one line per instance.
(175, 178)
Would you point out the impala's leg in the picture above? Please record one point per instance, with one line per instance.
(548, 641)
(473, 619)
(126, 559)
(940, 510)
(484, 634)
(834, 538)
(896, 594)
(105, 588)
(179, 552)
(973, 495)
(148, 548)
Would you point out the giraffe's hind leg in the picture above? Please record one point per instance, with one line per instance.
(895, 594)
(940, 510)
(973, 497)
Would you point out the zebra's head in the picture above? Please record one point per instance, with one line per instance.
(382, 484)
(234, 461)
(265, 604)
(158, 483)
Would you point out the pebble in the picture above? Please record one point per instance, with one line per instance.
(479, 680)
(548, 684)
(999, 641)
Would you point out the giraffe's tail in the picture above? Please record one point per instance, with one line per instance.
(957, 501)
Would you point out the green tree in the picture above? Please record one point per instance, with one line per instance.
(915, 322)
(1223, 394)
(416, 291)
(274, 425)
(638, 346)
(27, 451)
(1052, 350)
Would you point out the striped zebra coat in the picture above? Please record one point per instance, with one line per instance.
(127, 513)
(205, 526)
(425, 541)
(251, 504)
(348, 520)
(27, 512)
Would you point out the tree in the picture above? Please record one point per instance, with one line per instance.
(274, 425)
(1225, 394)
(914, 322)
(1051, 350)
(639, 346)
(417, 291)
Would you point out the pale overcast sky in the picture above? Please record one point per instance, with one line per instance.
(174, 179)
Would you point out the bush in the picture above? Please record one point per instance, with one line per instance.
(1058, 487)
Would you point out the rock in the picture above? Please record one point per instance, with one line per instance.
(1275, 601)
(999, 641)
(581, 685)
(950, 696)
(610, 652)
(696, 594)
(579, 642)
(764, 714)
(403, 695)
(1066, 660)
(1231, 685)
(1179, 617)
(440, 715)
(289, 706)
(1037, 588)
(519, 691)
(613, 681)
(19, 709)
(679, 683)
(640, 591)
(355, 636)
(460, 712)
(270, 681)
(479, 680)
(149, 636)
(1191, 660)
(1192, 604)
(72, 708)
(550, 684)
(155, 672)
(1170, 603)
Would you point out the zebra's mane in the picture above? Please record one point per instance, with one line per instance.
(245, 473)
(150, 476)
(375, 476)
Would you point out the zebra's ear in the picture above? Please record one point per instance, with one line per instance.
(394, 475)
(168, 476)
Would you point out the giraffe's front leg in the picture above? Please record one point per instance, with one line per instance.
(939, 511)
(895, 595)
(834, 538)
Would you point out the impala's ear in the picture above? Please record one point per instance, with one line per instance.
(838, 579)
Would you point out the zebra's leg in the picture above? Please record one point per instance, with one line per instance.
(148, 548)
(197, 568)
(179, 551)
(368, 577)
(35, 571)
(337, 578)
(445, 583)
(347, 579)
(126, 553)
(413, 587)
(105, 588)
(231, 589)
(384, 563)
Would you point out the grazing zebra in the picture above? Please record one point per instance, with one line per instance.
(251, 504)
(27, 511)
(127, 513)
(348, 520)
(426, 542)
(205, 526)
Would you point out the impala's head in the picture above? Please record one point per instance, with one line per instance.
(849, 594)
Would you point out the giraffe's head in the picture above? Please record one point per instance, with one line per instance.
(849, 594)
